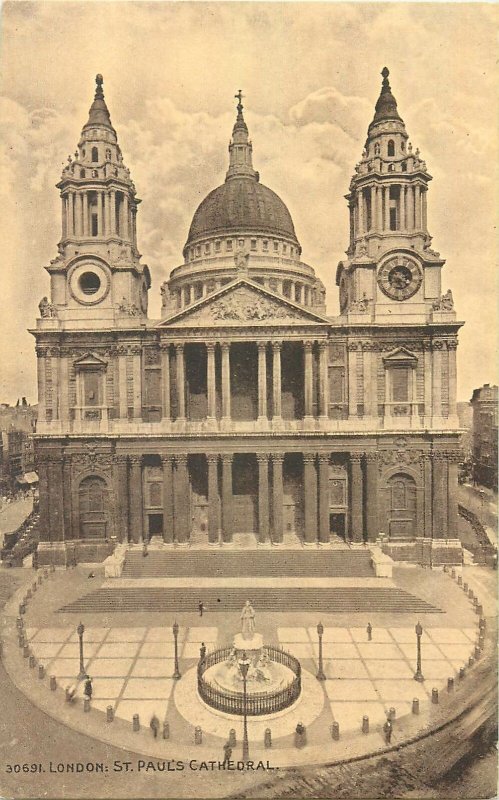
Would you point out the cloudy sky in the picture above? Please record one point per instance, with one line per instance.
(310, 75)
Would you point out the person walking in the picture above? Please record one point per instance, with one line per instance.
(227, 753)
(388, 730)
(369, 630)
(201, 608)
(154, 726)
(202, 652)
(88, 689)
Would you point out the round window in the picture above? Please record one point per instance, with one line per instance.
(89, 283)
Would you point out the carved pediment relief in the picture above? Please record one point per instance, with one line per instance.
(400, 357)
(241, 304)
(90, 360)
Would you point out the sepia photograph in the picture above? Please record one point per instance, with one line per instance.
(248, 400)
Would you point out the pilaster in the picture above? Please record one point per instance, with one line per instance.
(356, 495)
(277, 497)
(262, 382)
(168, 515)
(276, 381)
(136, 521)
(310, 495)
(263, 496)
(227, 511)
(324, 497)
(372, 496)
(213, 499)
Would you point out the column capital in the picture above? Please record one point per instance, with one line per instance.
(323, 345)
(121, 459)
(179, 347)
(212, 458)
(276, 346)
(262, 458)
(356, 458)
(277, 458)
(309, 458)
(225, 346)
(210, 347)
(135, 461)
(164, 347)
(308, 345)
(166, 459)
(262, 346)
(181, 460)
(227, 458)
(372, 457)
(324, 458)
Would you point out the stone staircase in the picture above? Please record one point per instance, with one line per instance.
(327, 563)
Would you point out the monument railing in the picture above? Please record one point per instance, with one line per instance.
(257, 703)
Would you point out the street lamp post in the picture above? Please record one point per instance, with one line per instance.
(320, 672)
(176, 674)
(418, 675)
(80, 631)
(244, 667)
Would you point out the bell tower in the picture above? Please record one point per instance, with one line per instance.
(391, 271)
(97, 275)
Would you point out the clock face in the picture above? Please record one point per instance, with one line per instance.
(400, 278)
(343, 293)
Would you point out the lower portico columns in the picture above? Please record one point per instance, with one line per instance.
(226, 411)
(227, 512)
(136, 524)
(123, 494)
(372, 496)
(356, 495)
(165, 375)
(179, 349)
(276, 381)
(168, 517)
(308, 376)
(277, 497)
(210, 380)
(323, 380)
(182, 506)
(324, 497)
(262, 381)
(440, 495)
(310, 495)
(213, 499)
(263, 496)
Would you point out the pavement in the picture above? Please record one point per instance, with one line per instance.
(483, 503)
(13, 514)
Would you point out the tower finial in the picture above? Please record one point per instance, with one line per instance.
(386, 83)
(99, 80)
(239, 96)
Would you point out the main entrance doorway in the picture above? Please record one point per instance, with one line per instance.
(337, 526)
(155, 525)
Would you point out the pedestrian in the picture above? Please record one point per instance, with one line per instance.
(154, 726)
(70, 692)
(388, 728)
(145, 551)
(369, 630)
(87, 691)
(201, 608)
(227, 753)
(202, 652)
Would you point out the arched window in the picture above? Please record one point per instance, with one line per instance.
(377, 149)
(108, 154)
(95, 154)
(82, 173)
(391, 147)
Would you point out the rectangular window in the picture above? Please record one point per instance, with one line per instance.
(207, 248)
(253, 244)
(217, 247)
(229, 244)
(95, 227)
(265, 245)
(400, 385)
(276, 246)
(393, 219)
(91, 385)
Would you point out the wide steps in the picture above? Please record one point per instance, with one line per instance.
(267, 563)
(325, 600)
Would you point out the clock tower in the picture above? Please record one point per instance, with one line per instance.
(391, 274)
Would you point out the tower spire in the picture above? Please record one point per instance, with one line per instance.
(99, 113)
(240, 148)
(386, 106)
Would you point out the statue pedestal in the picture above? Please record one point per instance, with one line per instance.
(248, 645)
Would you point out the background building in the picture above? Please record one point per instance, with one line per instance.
(246, 414)
(484, 403)
(17, 426)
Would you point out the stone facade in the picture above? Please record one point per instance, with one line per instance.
(484, 440)
(246, 409)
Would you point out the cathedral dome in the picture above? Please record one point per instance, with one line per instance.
(242, 204)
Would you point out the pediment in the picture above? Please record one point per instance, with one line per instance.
(242, 302)
(401, 357)
(89, 360)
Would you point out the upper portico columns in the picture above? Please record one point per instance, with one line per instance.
(276, 381)
(262, 382)
(308, 378)
(226, 405)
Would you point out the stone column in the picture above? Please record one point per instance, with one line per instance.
(379, 208)
(276, 381)
(112, 212)
(213, 499)
(122, 496)
(352, 378)
(210, 381)
(126, 225)
(54, 367)
(324, 497)
(263, 496)
(227, 511)
(182, 501)
(122, 382)
(226, 411)
(323, 380)
(427, 478)
(41, 353)
(440, 495)
(136, 351)
(360, 207)
(168, 509)
(452, 507)
(437, 347)
(64, 383)
(43, 487)
(424, 211)
(136, 505)
(308, 378)
(71, 220)
(63, 217)
(310, 495)
(262, 382)
(277, 497)
(372, 496)
(356, 494)
(56, 509)
(451, 353)
(85, 224)
(101, 218)
(410, 208)
(165, 381)
(78, 214)
(386, 216)
(180, 364)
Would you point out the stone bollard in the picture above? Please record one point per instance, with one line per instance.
(19, 623)
(465, 587)
(482, 624)
(86, 704)
(450, 684)
(198, 735)
(135, 723)
(109, 713)
(459, 580)
(415, 706)
(41, 671)
(392, 714)
(28, 594)
(232, 738)
(453, 573)
(446, 568)
(434, 696)
(267, 738)
(365, 724)
(479, 609)
(481, 642)
(26, 651)
(21, 640)
(53, 683)
(300, 735)
(462, 673)
(166, 730)
(471, 594)
(32, 662)
(52, 567)
(22, 608)
(477, 653)
(471, 661)
(335, 731)
(475, 601)
(34, 588)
